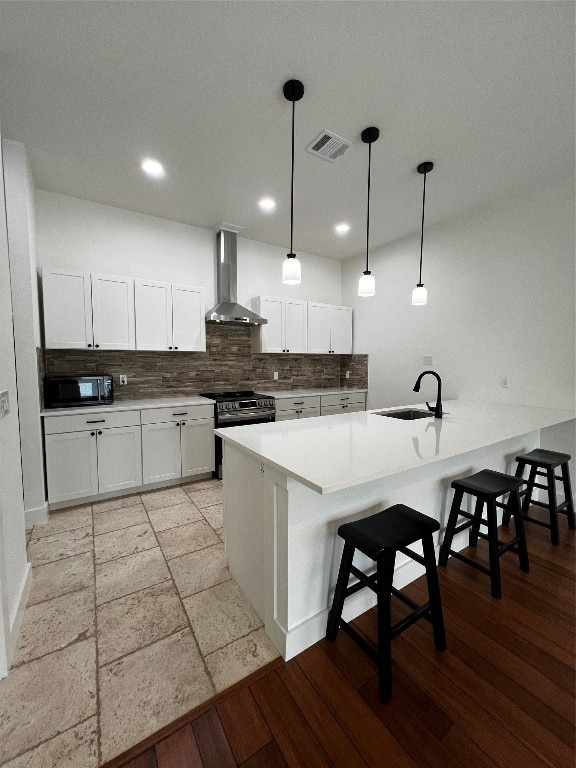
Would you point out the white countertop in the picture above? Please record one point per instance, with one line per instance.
(280, 393)
(130, 405)
(330, 453)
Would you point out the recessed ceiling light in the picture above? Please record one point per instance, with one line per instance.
(342, 229)
(267, 204)
(153, 168)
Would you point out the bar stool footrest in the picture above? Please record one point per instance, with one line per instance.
(469, 561)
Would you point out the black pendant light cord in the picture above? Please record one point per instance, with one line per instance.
(292, 180)
(368, 206)
(422, 233)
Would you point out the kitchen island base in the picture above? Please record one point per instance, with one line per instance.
(281, 536)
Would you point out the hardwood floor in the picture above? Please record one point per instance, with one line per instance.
(501, 695)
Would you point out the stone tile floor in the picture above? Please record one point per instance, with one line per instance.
(133, 619)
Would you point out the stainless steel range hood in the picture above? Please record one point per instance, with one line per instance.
(227, 310)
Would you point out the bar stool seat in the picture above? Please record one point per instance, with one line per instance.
(486, 486)
(543, 463)
(379, 537)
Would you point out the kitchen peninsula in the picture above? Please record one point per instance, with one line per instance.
(289, 485)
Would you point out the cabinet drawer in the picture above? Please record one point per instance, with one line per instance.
(343, 398)
(177, 413)
(330, 410)
(289, 403)
(55, 425)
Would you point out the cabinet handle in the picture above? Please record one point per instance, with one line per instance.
(300, 402)
(183, 424)
(96, 345)
(169, 347)
(175, 347)
(287, 350)
(92, 434)
(344, 398)
(96, 421)
(89, 345)
(182, 413)
(99, 431)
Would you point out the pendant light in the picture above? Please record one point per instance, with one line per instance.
(420, 294)
(291, 270)
(367, 284)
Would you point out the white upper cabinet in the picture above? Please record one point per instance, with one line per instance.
(341, 330)
(188, 325)
(88, 311)
(285, 330)
(113, 312)
(329, 329)
(67, 309)
(153, 315)
(169, 317)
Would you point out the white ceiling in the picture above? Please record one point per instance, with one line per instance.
(484, 89)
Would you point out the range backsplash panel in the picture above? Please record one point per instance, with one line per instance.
(228, 363)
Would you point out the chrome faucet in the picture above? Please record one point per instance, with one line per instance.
(437, 410)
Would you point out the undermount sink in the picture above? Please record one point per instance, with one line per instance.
(408, 414)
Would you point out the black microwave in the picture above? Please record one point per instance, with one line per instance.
(75, 391)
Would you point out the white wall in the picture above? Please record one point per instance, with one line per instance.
(20, 213)
(14, 570)
(500, 303)
(74, 233)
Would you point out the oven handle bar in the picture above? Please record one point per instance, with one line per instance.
(245, 415)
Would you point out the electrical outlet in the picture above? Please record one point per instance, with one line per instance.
(275, 375)
(123, 379)
(347, 375)
(4, 404)
(427, 360)
(504, 382)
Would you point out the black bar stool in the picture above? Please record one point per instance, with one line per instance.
(379, 537)
(543, 463)
(486, 486)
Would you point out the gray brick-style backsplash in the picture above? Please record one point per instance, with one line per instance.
(228, 363)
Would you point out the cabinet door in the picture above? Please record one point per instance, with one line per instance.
(113, 312)
(286, 415)
(307, 413)
(272, 333)
(67, 309)
(188, 324)
(153, 302)
(119, 458)
(71, 466)
(296, 325)
(341, 321)
(354, 407)
(197, 442)
(319, 320)
(161, 459)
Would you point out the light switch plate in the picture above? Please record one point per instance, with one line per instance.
(4, 404)
(123, 379)
(275, 375)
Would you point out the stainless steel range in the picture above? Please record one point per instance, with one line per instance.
(237, 409)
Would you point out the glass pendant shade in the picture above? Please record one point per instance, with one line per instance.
(367, 284)
(291, 270)
(419, 296)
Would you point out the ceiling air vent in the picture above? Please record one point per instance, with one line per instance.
(329, 146)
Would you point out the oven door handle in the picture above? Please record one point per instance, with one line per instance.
(245, 416)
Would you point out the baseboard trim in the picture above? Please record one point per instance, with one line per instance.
(18, 614)
(36, 515)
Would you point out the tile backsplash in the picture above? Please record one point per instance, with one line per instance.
(228, 363)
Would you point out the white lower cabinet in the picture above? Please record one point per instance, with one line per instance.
(177, 449)
(297, 413)
(330, 410)
(71, 466)
(87, 463)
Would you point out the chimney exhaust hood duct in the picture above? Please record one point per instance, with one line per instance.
(227, 310)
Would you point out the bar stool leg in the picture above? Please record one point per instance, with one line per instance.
(473, 535)
(335, 613)
(385, 570)
(519, 473)
(449, 532)
(568, 495)
(514, 504)
(529, 490)
(434, 594)
(552, 503)
(493, 551)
